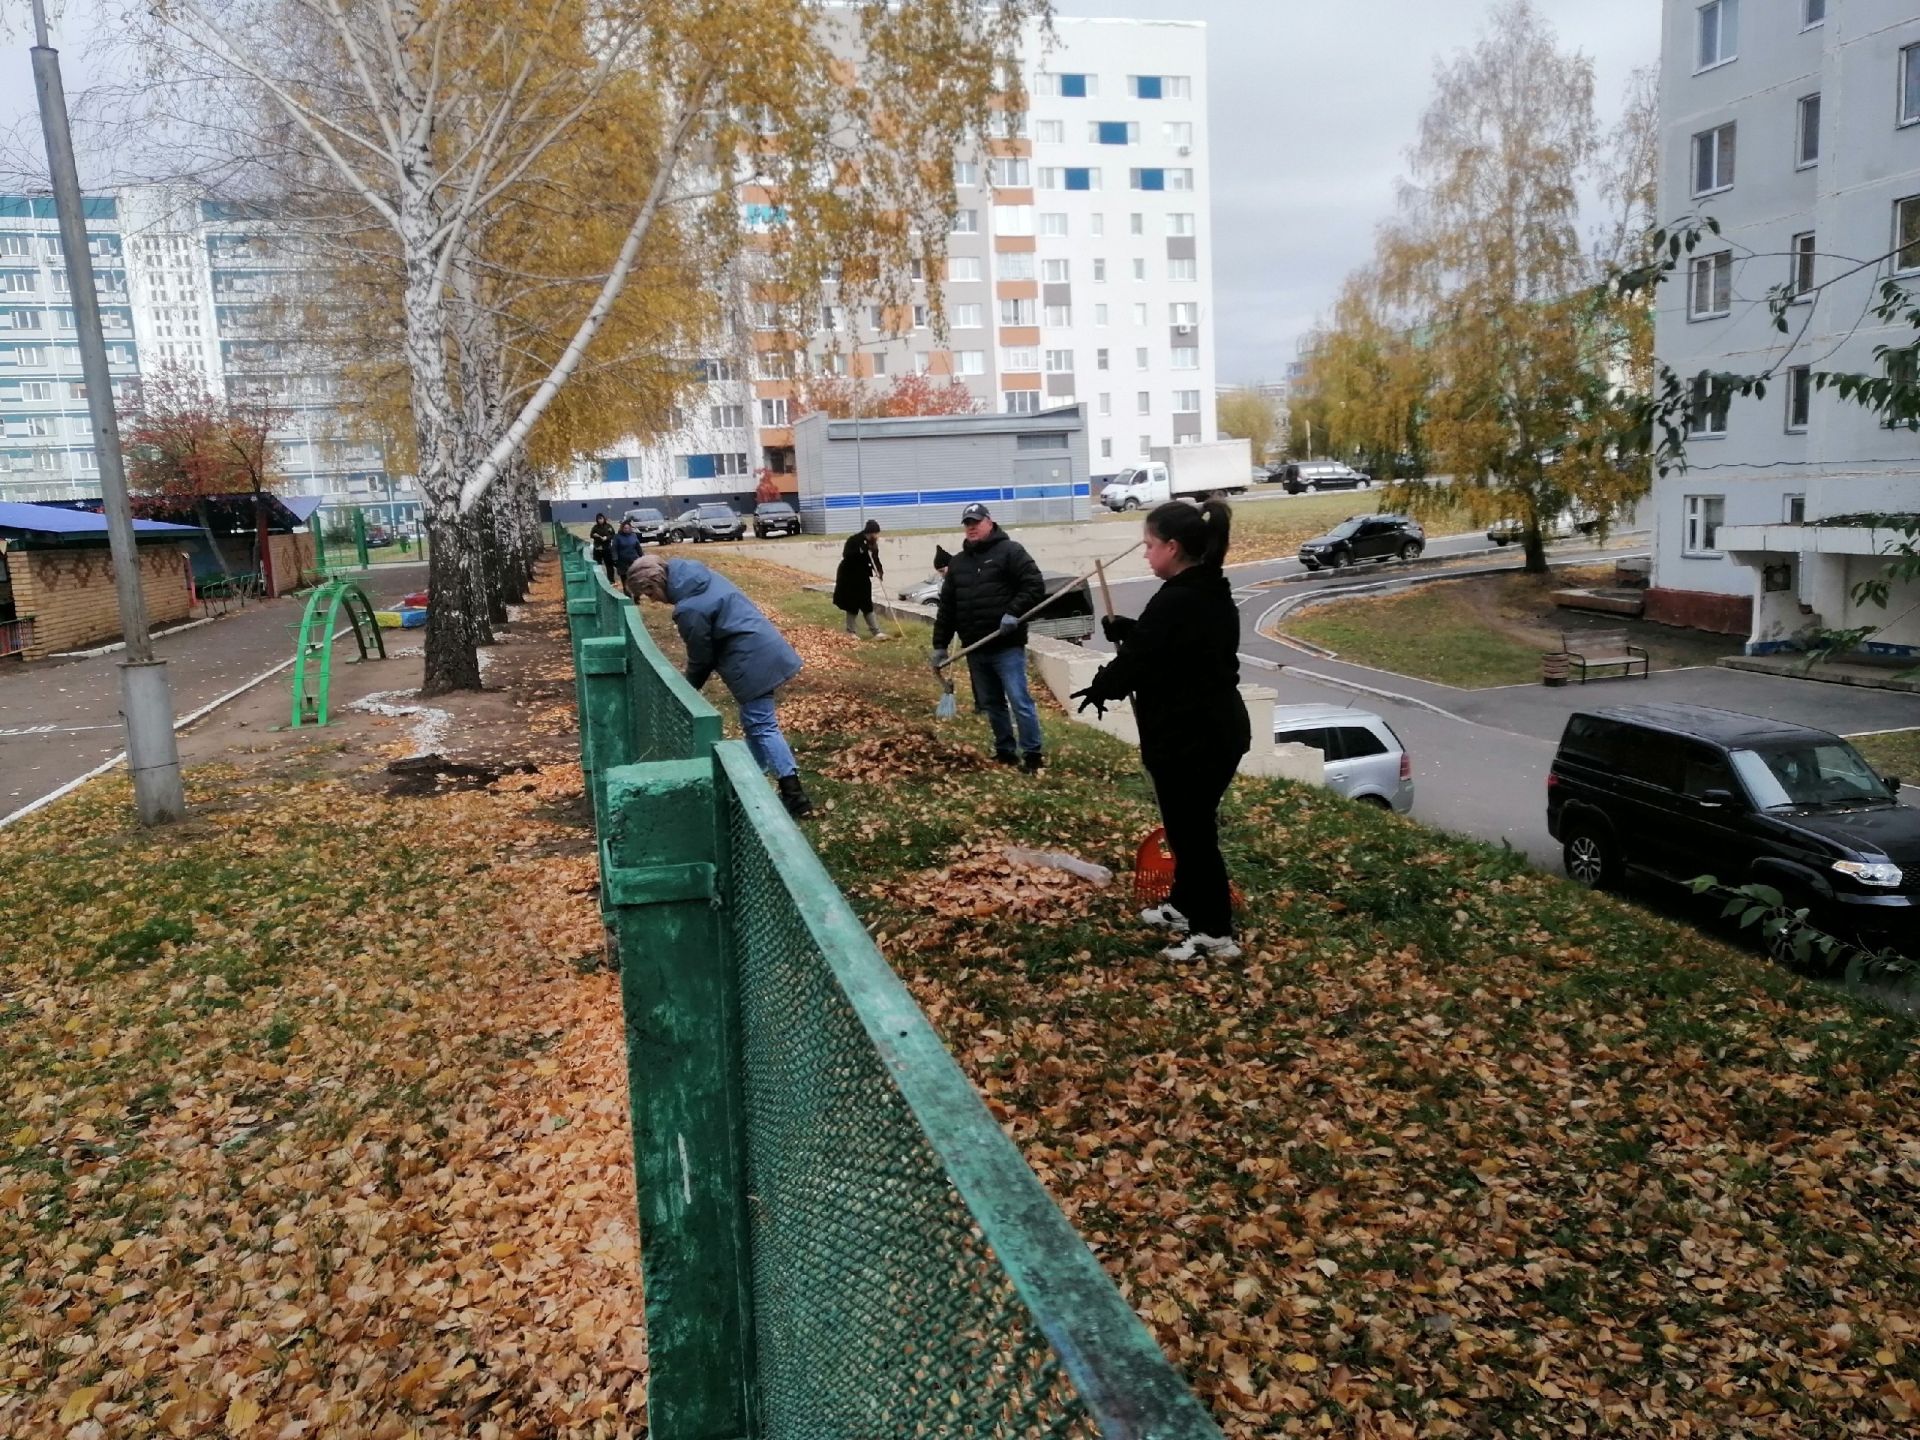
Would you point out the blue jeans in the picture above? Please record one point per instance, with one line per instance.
(769, 746)
(1000, 680)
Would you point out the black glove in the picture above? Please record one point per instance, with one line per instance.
(1117, 627)
(1086, 697)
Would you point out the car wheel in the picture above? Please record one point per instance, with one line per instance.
(1339, 560)
(1410, 552)
(1378, 802)
(1589, 856)
(1366, 484)
(1131, 505)
(1501, 540)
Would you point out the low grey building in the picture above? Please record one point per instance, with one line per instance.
(918, 473)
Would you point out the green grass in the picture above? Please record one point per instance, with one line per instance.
(1895, 753)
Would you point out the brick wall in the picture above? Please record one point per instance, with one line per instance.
(1701, 610)
(69, 594)
(293, 561)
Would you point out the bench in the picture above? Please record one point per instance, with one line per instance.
(1604, 649)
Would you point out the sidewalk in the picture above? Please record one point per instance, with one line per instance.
(61, 718)
(1897, 675)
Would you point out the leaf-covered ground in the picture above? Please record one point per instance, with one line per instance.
(1457, 1149)
(310, 1125)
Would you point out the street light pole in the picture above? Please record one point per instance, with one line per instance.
(146, 701)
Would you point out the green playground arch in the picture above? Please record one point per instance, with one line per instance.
(318, 626)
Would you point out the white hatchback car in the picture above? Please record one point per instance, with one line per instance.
(1364, 758)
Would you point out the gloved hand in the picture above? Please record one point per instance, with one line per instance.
(1117, 627)
(1086, 697)
(1009, 622)
(938, 657)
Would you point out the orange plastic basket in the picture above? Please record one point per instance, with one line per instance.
(1153, 871)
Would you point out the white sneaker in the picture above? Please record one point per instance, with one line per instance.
(1166, 918)
(1196, 946)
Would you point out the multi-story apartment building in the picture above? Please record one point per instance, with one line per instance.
(184, 282)
(1796, 125)
(1080, 269)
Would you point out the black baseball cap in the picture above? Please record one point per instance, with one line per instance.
(975, 511)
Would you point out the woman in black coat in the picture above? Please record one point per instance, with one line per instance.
(853, 581)
(1180, 664)
(601, 537)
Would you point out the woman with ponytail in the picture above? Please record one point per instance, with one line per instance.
(1179, 663)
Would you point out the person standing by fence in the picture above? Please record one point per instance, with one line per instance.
(853, 582)
(1180, 664)
(990, 584)
(601, 538)
(723, 630)
(622, 550)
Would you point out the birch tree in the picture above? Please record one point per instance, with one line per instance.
(439, 117)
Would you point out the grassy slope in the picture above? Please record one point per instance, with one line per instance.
(1456, 1147)
(1895, 753)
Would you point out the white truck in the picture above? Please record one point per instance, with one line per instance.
(1183, 472)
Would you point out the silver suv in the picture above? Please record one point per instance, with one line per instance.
(1364, 758)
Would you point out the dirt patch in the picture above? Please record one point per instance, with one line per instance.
(435, 774)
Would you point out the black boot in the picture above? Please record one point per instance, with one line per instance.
(794, 798)
(1032, 762)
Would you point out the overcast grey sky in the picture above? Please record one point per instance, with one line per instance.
(1312, 107)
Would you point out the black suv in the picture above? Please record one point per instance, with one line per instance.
(1684, 790)
(775, 517)
(1364, 537)
(650, 525)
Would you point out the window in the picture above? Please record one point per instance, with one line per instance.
(1017, 266)
(1796, 509)
(966, 172)
(922, 316)
(1186, 402)
(1054, 272)
(1719, 33)
(1147, 179)
(36, 390)
(966, 222)
(1050, 177)
(1100, 315)
(1180, 178)
(917, 270)
(1067, 87)
(1100, 359)
(1902, 373)
(1054, 225)
(1010, 171)
(1708, 401)
(1188, 269)
(1186, 357)
(968, 317)
(1114, 132)
(1106, 449)
(1052, 132)
(1177, 132)
(21, 319)
(835, 363)
(1016, 312)
(1705, 515)
(1177, 87)
(1812, 13)
(1082, 177)
(1013, 220)
(1143, 402)
(773, 412)
(1059, 362)
(1800, 280)
(969, 362)
(877, 317)
(1106, 403)
(1713, 160)
(730, 417)
(833, 317)
(1099, 272)
(1144, 87)
(1020, 402)
(1139, 267)
(1183, 312)
(1807, 152)
(1906, 234)
(1799, 395)
(1097, 226)
(1057, 315)
(20, 282)
(1136, 224)
(1711, 293)
(1021, 357)
(1140, 361)
(1146, 444)
(879, 362)
(922, 363)
(1180, 224)
(1140, 314)
(15, 245)
(964, 267)
(1910, 84)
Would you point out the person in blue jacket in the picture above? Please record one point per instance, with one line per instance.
(622, 549)
(725, 631)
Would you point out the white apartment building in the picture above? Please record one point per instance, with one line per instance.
(183, 281)
(1080, 270)
(1796, 125)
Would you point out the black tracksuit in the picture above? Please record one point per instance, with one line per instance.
(1180, 664)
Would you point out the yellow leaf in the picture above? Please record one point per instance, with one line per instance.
(24, 1137)
(78, 1405)
(241, 1414)
(1301, 1361)
(1884, 1357)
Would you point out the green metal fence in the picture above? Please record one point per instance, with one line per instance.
(838, 1242)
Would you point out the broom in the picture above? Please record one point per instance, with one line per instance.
(948, 706)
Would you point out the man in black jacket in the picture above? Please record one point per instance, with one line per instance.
(991, 583)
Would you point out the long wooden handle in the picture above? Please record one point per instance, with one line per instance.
(1068, 589)
(1106, 595)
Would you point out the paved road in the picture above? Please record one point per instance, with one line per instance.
(1480, 756)
(61, 718)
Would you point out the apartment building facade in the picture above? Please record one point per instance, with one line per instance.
(185, 281)
(1079, 271)
(1796, 125)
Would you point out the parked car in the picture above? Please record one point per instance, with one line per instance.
(1070, 618)
(1364, 537)
(924, 592)
(1364, 759)
(709, 522)
(1569, 522)
(1299, 475)
(775, 517)
(650, 525)
(378, 535)
(1681, 791)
